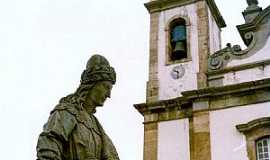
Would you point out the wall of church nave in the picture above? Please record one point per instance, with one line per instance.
(226, 141)
(260, 55)
(247, 75)
(173, 140)
(169, 87)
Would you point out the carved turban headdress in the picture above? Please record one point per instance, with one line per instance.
(98, 69)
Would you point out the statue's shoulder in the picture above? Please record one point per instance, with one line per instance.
(70, 111)
(65, 114)
(66, 107)
(62, 121)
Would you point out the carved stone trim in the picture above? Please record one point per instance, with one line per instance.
(203, 43)
(252, 26)
(159, 106)
(254, 35)
(218, 97)
(221, 58)
(257, 123)
(254, 130)
(238, 68)
(216, 14)
(160, 5)
(150, 141)
(153, 83)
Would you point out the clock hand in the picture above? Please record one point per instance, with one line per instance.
(177, 73)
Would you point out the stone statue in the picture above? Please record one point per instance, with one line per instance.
(72, 131)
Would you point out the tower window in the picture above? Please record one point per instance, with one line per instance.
(263, 148)
(178, 39)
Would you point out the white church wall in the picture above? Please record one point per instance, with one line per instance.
(168, 87)
(226, 141)
(262, 54)
(214, 34)
(247, 75)
(173, 140)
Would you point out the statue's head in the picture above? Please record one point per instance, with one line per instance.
(99, 73)
(98, 69)
(96, 81)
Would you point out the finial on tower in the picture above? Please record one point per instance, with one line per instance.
(252, 10)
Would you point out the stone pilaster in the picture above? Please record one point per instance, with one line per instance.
(200, 149)
(203, 42)
(150, 141)
(153, 84)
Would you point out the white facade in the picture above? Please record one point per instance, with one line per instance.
(247, 75)
(252, 74)
(262, 54)
(168, 87)
(173, 140)
(226, 141)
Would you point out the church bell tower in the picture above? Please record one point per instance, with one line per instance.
(182, 34)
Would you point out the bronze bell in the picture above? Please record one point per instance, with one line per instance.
(179, 47)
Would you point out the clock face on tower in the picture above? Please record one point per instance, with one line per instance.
(178, 72)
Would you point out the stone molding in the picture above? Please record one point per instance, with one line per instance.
(150, 141)
(153, 83)
(227, 90)
(253, 26)
(254, 130)
(203, 42)
(238, 68)
(160, 5)
(221, 58)
(215, 98)
(257, 123)
(254, 35)
(162, 105)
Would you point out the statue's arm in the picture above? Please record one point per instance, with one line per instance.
(109, 151)
(55, 133)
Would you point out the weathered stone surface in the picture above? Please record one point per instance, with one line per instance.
(253, 131)
(203, 42)
(201, 136)
(153, 83)
(150, 141)
(72, 131)
(201, 145)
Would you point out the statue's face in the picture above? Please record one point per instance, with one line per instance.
(100, 92)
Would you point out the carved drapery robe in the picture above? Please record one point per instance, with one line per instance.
(73, 134)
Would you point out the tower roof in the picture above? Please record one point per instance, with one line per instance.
(160, 5)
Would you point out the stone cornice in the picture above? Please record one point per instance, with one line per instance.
(207, 93)
(228, 89)
(221, 58)
(252, 26)
(160, 5)
(216, 14)
(239, 67)
(176, 103)
(257, 123)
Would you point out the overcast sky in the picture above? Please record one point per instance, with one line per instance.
(44, 47)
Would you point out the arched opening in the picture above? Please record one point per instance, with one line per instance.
(178, 39)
